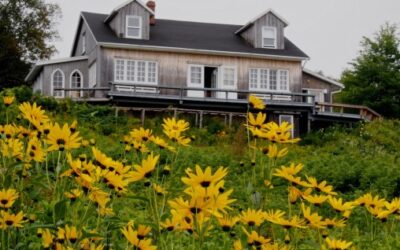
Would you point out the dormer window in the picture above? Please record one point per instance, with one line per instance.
(269, 37)
(133, 27)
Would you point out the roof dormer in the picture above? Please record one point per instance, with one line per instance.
(132, 20)
(265, 31)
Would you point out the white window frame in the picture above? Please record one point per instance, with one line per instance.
(92, 75)
(268, 77)
(264, 35)
(321, 92)
(189, 76)
(139, 18)
(291, 123)
(83, 43)
(71, 79)
(136, 63)
(52, 83)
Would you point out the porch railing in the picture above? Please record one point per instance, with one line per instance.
(364, 112)
(207, 94)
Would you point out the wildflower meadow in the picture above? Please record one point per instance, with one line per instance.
(157, 187)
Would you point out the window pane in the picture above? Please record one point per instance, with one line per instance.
(195, 74)
(264, 79)
(133, 32)
(283, 80)
(119, 70)
(253, 78)
(58, 82)
(130, 71)
(76, 80)
(141, 71)
(269, 36)
(151, 72)
(134, 22)
(229, 77)
(272, 79)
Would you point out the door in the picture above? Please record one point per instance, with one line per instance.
(228, 81)
(195, 79)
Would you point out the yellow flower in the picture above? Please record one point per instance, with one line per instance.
(204, 179)
(7, 198)
(141, 134)
(294, 222)
(274, 215)
(254, 239)
(73, 126)
(159, 189)
(146, 169)
(337, 244)
(62, 139)
(162, 144)
(252, 217)
(291, 170)
(338, 205)
(273, 153)
(12, 148)
(257, 122)
(237, 245)
(256, 103)
(173, 126)
(313, 219)
(331, 223)
(8, 100)
(73, 194)
(11, 220)
(321, 187)
(33, 113)
(227, 222)
(47, 238)
(72, 234)
(143, 231)
(132, 237)
(317, 200)
(368, 200)
(34, 151)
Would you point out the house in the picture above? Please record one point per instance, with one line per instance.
(132, 58)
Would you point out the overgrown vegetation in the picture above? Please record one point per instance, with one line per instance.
(123, 186)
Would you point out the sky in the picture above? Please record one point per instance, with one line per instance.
(328, 31)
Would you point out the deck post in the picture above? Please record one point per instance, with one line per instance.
(308, 122)
(175, 113)
(201, 119)
(196, 119)
(225, 119)
(116, 112)
(230, 119)
(143, 115)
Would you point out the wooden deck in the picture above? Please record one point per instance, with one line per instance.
(220, 100)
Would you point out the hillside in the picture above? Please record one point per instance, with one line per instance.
(120, 185)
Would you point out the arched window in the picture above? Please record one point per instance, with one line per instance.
(57, 81)
(76, 82)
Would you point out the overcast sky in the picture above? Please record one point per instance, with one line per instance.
(329, 31)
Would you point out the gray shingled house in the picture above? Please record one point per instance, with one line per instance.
(130, 57)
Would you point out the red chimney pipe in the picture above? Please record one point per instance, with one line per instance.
(152, 5)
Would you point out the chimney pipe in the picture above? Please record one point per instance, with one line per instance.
(152, 5)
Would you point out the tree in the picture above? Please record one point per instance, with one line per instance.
(374, 78)
(26, 28)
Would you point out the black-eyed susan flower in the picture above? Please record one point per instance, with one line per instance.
(256, 240)
(146, 169)
(73, 194)
(73, 126)
(34, 150)
(60, 235)
(293, 222)
(315, 199)
(162, 144)
(8, 197)
(61, 138)
(12, 148)
(258, 121)
(273, 152)
(273, 215)
(47, 238)
(337, 244)
(72, 234)
(143, 231)
(252, 217)
(321, 187)
(8, 220)
(159, 190)
(204, 179)
(132, 237)
(256, 103)
(313, 219)
(173, 126)
(237, 245)
(339, 205)
(170, 224)
(141, 134)
(227, 222)
(8, 100)
(33, 113)
(368, 200)
(331, 223)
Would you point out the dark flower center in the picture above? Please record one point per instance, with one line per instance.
(195, 210)
(4, 202)
(251, 223)
(148, 174)
(226, 228)
(60, 142)
(205, 184)
(9, 222)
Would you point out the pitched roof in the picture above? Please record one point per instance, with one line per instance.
(189, 36)
(116, 10)
(323, 78)
(247, 25)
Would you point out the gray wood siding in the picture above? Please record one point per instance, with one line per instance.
(118, 23)
(67, 68)
(90, 40)
(172, 67)
(312, 82)
(253, 35)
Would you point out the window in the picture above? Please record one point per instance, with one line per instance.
(92, 75)
(83, 43)
(57, 81)
(289, 119)
(269, 80)
(229, 77)
(196, 74)
(269, 37)
(136, 71)
(133, 27)
(76, 82)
